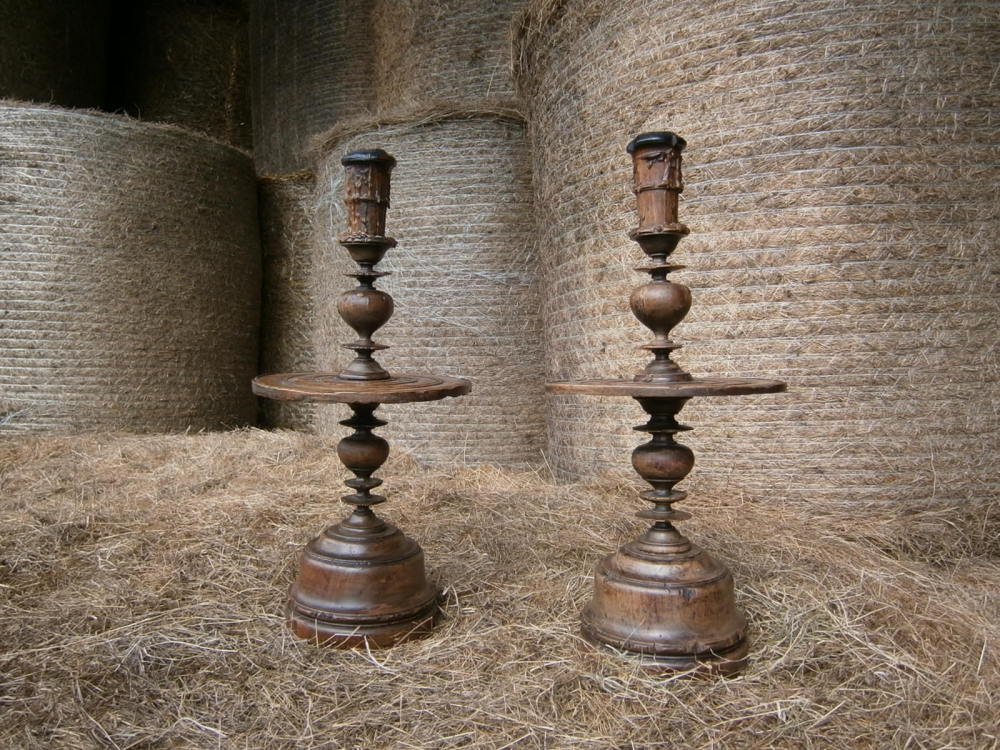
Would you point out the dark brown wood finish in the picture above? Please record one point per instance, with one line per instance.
(680, 389)
(362, 581)
(329, 387)
(660, 596)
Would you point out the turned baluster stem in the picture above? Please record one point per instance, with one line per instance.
(660, 304)
(663, 462)
(363, 453)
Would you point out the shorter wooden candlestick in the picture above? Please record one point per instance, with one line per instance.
(660, 596)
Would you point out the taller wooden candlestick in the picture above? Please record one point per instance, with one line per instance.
(362, 581)
(661, 596)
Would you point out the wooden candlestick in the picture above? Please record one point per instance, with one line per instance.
(660, 596)
(362, 581)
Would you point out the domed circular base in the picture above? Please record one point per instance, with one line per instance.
(362, 582)
(669, 602)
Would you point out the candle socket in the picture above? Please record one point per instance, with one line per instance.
(656, 178)
(366, 192)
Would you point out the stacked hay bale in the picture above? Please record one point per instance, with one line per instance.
(842, 186)
(184, 62)
(311, 67)
(287, 305)
(54, 51)
(317, 63)
(313, 62)
(442, 50)
(463, 280)
(130, 267)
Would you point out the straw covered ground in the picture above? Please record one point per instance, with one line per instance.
(141, 586)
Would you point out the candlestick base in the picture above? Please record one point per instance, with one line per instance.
(362, 582)
(670, 602)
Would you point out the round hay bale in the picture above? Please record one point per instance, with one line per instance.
(442, 51)
(313, 64)
(287, 305)
(184, 62)
(54, 51)
(842, 187)
(130, 274)
(463, 280)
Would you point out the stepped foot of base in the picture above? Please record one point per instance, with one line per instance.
(345, 634)
(726, 662)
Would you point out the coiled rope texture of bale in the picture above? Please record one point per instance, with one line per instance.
(287, 217)
(312, 66)
(54, 51)
(842, 188)
(130, 274)
(442, 50)
(463, 279)
(318, 63)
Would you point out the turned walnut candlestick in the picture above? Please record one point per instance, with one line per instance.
(660, 596)
(362, 580)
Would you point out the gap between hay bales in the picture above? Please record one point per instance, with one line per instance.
(142, 581)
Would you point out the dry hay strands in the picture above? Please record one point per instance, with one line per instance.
(286, 205)
(463, 279)
(841, 188)
(54, 51)
(144, 579)
(434, 50)
(184, 62)
(130, 274)
(313, 63)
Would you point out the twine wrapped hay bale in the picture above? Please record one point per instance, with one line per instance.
(54, 51)
(317, 63)
(287, 307)
(842, 187)
(130, 274)
(184, 62)
(313, 62)
(463, 280)
(443, 50)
